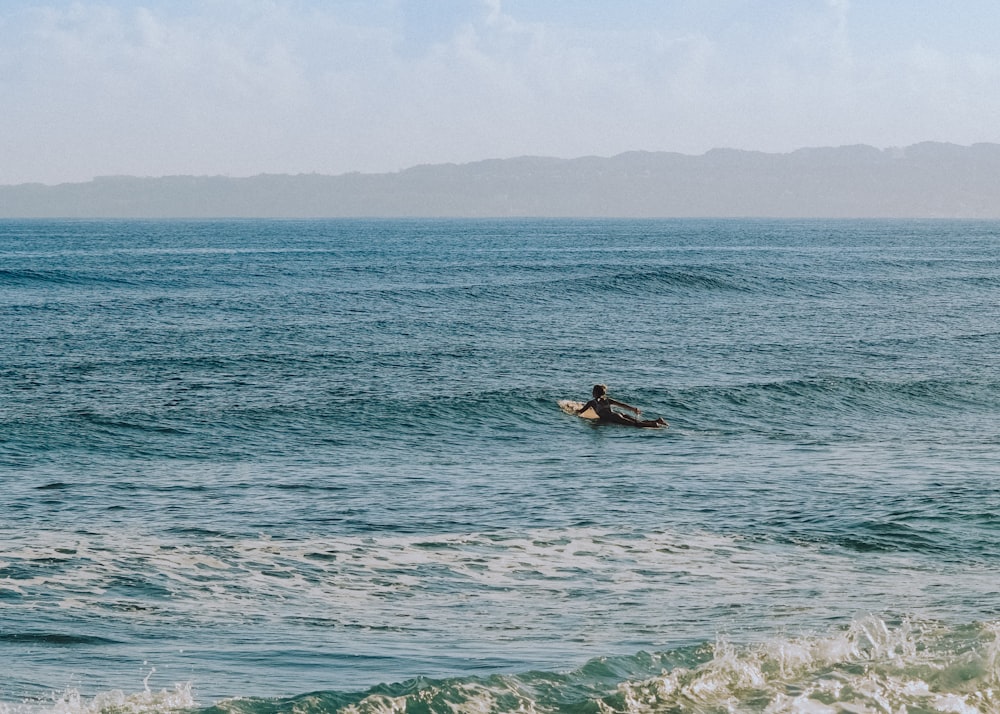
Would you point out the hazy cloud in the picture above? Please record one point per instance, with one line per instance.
(242, 87)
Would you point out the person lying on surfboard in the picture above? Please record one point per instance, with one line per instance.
(602, 403)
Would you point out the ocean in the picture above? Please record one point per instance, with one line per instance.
(319, 466)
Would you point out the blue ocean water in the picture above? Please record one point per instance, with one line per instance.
(270, 466)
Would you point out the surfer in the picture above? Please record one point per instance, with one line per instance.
(602, 403)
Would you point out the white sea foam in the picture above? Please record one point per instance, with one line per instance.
(114, 701)
(666, 577)
(548, 597)
(869, 667)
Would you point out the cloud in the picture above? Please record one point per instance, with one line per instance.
(244, 87)
(123, 89)
(289, 86)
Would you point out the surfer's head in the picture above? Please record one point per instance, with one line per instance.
(600, 390)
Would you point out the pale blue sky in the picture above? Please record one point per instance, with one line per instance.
(290, 86)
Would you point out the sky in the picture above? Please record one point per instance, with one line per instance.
(242, 87)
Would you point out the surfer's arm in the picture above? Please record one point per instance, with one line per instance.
(623, 405)
(591, 404)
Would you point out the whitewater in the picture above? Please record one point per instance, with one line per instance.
(319, 466)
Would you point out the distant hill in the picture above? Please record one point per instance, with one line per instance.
(924, 180)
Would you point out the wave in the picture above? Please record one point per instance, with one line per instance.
(872, 665)
(145, 285)
(54, 278)
(736, 280)
(859, 403)
(673, 279)
(54, 638)
(215, 421)
(540, 283)
(116, 701)
(788, 406)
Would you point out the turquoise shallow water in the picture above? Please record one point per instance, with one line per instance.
(312, 466)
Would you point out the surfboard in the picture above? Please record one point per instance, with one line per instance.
(571, 407)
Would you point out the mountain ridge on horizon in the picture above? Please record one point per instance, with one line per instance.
(927, 179)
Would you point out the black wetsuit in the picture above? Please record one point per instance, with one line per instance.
(602, 405)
